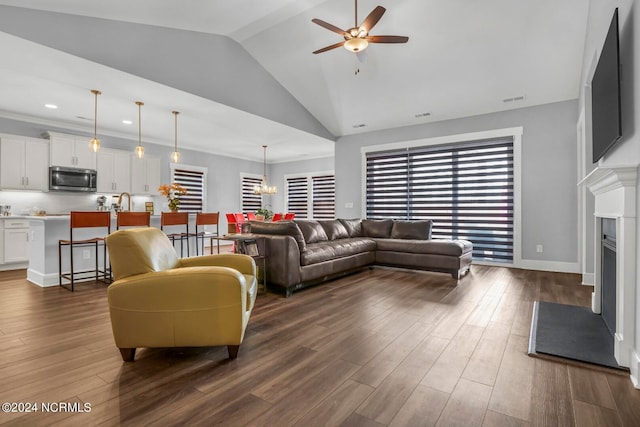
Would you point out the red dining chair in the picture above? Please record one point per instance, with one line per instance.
(251, 216)
(277, 217)
(289, 216)
(232, 226)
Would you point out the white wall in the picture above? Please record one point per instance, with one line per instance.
(549, 192)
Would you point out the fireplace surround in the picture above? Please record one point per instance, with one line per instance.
(614, 189)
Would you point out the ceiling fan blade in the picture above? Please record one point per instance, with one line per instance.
(373, 18)
(329, 27)
(387, 39)
(333, 46)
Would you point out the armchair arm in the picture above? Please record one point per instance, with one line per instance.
(243, 263)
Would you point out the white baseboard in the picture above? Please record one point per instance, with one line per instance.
(555, 266)
(634, 368)
(588, 279)
(42, 280)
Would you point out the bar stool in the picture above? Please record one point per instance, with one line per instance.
(276, 217)
(289, 216)
(85, 220)
(174, 219)
(251, 216)
(203, 219)
(133, 219)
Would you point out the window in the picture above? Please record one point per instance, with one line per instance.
(324, 196)
(312, 195)
(466, 188)
(250, 202)
(297, 196)
(193, 179)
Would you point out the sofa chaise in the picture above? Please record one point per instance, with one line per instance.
(305, 252)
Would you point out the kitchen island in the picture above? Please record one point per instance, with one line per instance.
(46, 231)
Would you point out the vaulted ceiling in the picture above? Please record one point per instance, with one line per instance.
(242, 72)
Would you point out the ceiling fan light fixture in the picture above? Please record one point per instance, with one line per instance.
(356, 44)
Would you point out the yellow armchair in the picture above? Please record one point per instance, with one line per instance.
(160, 300)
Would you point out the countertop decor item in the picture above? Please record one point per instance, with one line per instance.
(172, 193)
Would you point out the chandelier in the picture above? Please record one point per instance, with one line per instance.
(263, 188)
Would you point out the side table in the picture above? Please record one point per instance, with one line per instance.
(253, 245)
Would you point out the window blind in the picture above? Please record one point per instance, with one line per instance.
(250, 202)
(193, 181)
(324, 196)
(465, 188)
(297, 196)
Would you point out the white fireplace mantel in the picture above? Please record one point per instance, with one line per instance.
(614, 188)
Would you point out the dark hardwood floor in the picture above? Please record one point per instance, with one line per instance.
(381, 347)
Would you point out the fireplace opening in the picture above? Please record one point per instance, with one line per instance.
(608, 279)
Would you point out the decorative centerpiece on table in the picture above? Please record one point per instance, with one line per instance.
(172, 193)
(264, 214)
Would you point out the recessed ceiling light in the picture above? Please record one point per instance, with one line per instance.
(127, 122)
(52, 106)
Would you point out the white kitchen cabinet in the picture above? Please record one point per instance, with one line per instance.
(16, 240)
(145, 175)
(114, 171)
(24, 163)
(71, 151)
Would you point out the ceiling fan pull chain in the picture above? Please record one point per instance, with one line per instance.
(355, 65)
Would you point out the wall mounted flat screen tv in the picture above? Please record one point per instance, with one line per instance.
(606, 117)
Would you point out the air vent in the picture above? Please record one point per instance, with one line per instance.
(422, 115)
(361, 125)
(514, 99)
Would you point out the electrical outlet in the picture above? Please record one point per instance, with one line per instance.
(86, 254)
(539, 248)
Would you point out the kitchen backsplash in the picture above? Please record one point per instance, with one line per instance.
(27, 202)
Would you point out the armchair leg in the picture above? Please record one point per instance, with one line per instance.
(233, 351)
(128, 354)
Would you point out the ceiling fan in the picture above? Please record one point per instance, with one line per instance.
(357, 39)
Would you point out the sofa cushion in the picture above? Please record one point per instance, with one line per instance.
(377, 228)
(353, 226)
(416, 230)
(334, 229)
(436, 247)
(333, 249)
(312, 231)
(282, 228)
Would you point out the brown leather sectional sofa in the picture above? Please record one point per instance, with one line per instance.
(304, 252)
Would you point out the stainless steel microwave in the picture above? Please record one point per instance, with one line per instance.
(72, 179)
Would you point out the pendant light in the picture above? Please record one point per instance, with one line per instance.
(139, 148)
(94, 144)
(175, 156)
(264, 188)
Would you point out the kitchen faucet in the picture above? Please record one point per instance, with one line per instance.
(128, 200)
